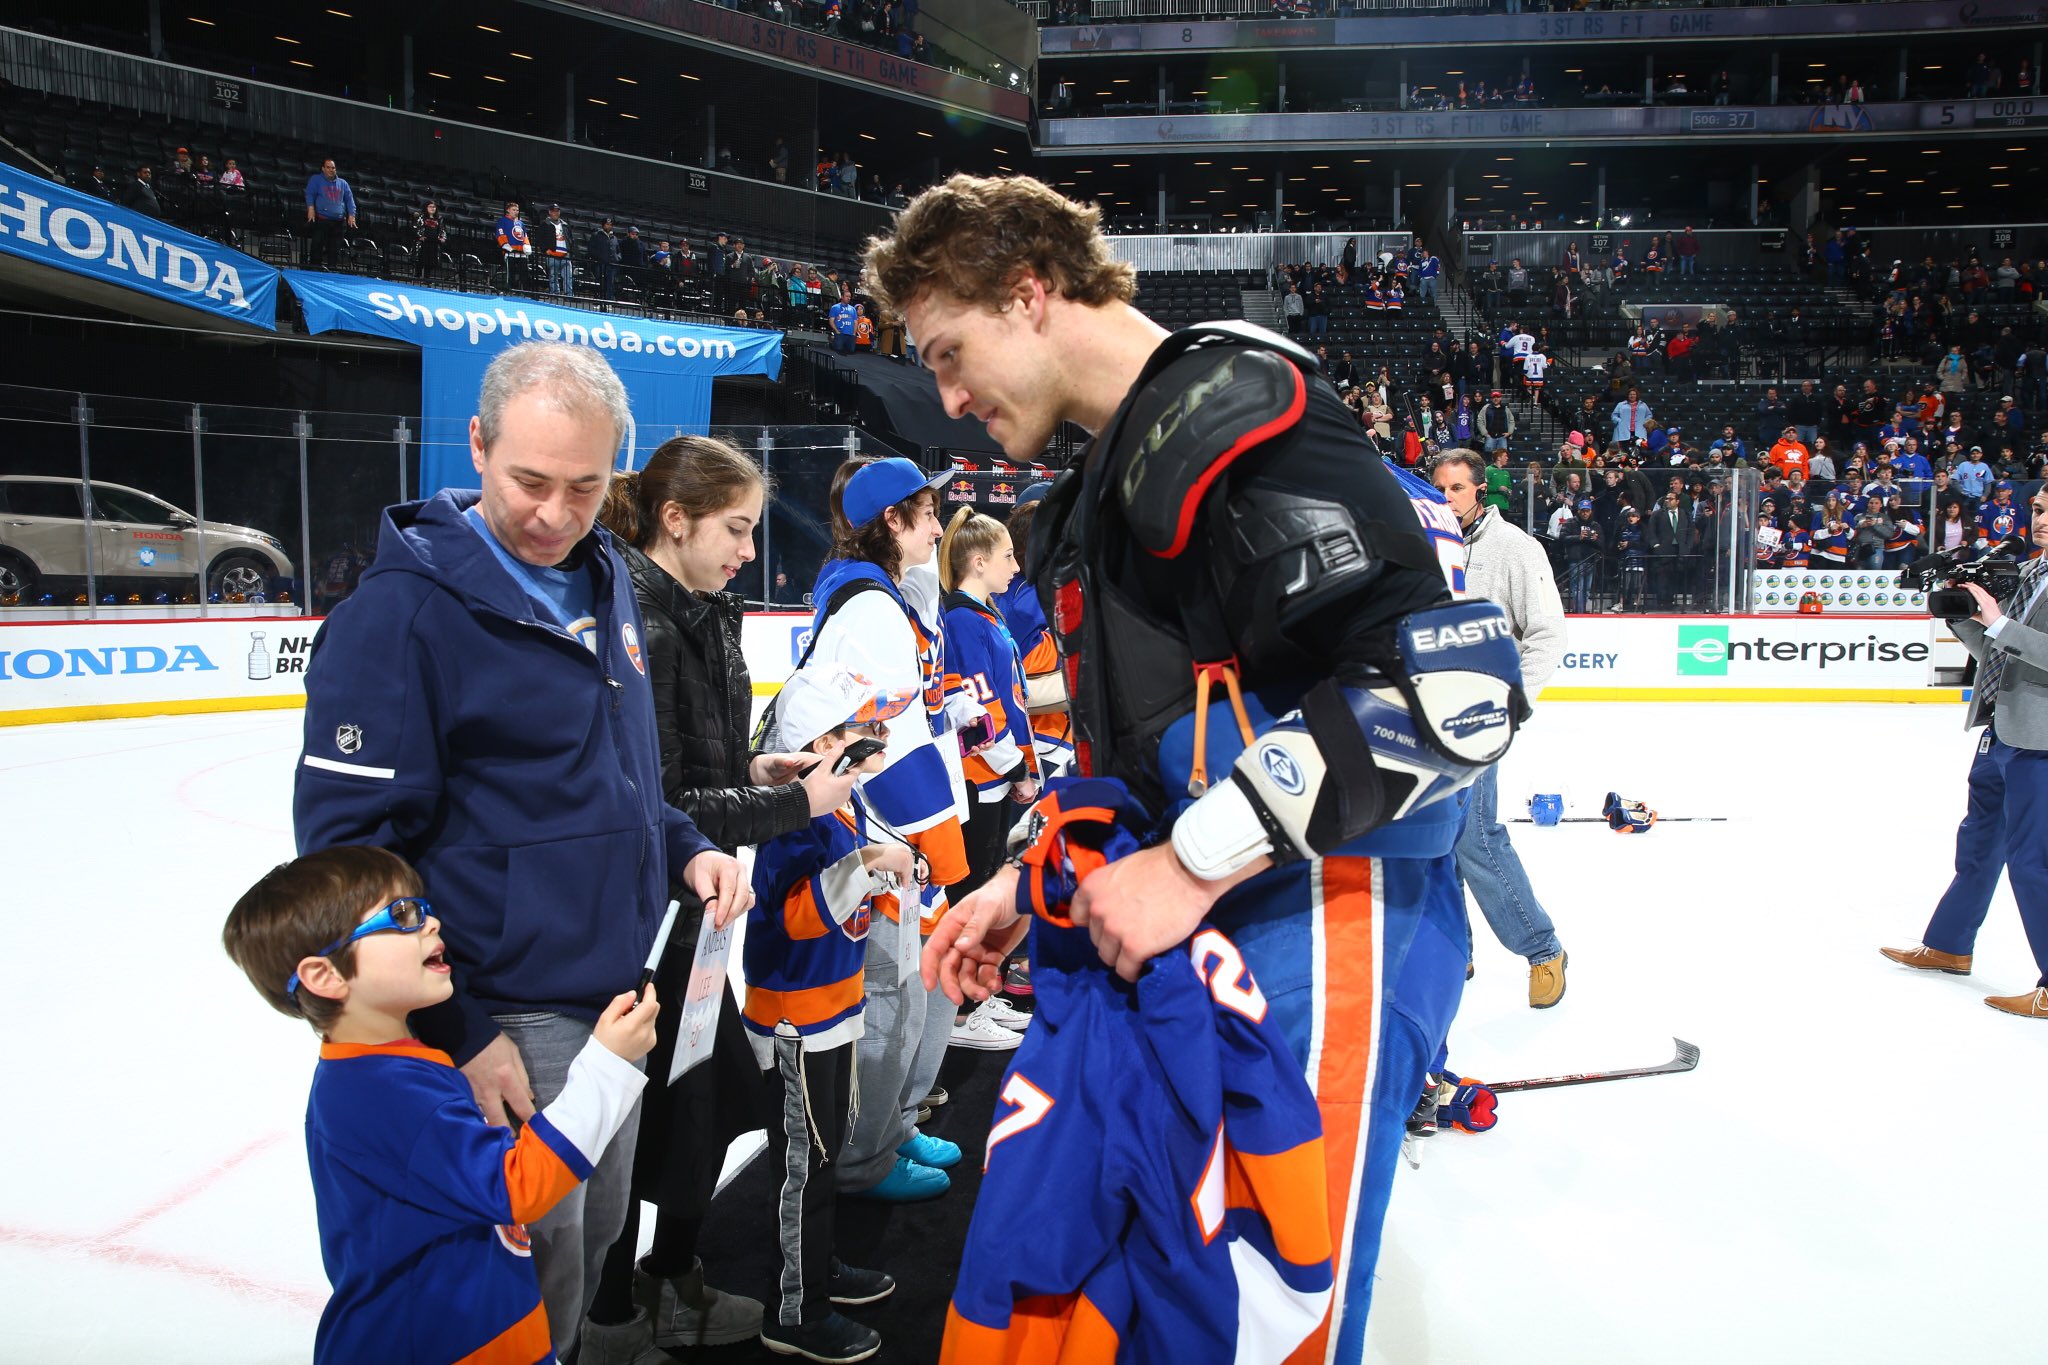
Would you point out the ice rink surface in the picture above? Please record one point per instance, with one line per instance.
(1852, 1174)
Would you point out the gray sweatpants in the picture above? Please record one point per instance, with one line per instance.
(898, 1058)
(570, 1243)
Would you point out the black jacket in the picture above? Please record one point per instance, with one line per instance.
(703, 699)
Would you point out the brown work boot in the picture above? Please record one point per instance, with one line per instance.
(2032, 1005)
(1928, 960)
(1546, 982)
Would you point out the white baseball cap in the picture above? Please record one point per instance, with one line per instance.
(823, 697)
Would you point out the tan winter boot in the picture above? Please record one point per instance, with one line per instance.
(1546, 982)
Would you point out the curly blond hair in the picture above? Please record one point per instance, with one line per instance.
(973, 236)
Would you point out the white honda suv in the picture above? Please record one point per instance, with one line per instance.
(138, 539)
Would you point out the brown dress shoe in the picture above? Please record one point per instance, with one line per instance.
(1928, 960)
(2032, 1005)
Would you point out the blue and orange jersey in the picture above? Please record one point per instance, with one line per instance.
(1831, 545)
(1439, 523)
(1172, 1154)
(806, 941)
(2002, 522)
(512, 234)
(1906, 533)
(895, 635)
(423, 1206)
(1053, 731)
(1797, 546)
(982, 661)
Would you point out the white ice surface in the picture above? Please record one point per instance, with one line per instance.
(1852, 1174)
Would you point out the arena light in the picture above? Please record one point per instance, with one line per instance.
(1361, 161)
(297, 62)
(486, 28)
(1579, 163)
(922, 133)
(688, 77)
(595, 100)
(195, 19)
(521, 56)
(624, 114)
(870, 137)
(341, 14)
(625, 80)
(293, 41)
(495, 80)
(2002, 185)
(1880, 170)
(440, 75)
(1255, 180)
(487, 108)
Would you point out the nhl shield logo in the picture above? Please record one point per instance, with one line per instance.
(631, 639)
(348, 738)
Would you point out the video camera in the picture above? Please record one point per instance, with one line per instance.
(1998, 574)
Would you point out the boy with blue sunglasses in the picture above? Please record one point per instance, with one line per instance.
(423, 1206)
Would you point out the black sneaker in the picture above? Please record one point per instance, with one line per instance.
(834, 1337)
(852, 1286)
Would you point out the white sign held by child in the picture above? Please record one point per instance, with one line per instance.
(698, 1028)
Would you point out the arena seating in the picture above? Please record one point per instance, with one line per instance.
(74, 136)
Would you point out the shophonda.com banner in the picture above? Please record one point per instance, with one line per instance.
(667, 367)
(82, 234)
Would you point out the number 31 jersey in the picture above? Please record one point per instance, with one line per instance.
(1165, 1155)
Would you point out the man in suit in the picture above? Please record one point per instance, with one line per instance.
(1672, 540)
(2008, 784)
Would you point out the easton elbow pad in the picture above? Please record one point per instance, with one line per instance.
(1356, 757)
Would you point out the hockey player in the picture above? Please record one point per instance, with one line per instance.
(1259, 643)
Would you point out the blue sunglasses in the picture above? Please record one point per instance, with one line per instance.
(407, 915)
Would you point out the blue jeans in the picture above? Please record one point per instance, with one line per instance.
(561, 275)
(570, 1243)
(2001, 831)
(1687, 264)
(1425, 288)
(1493, 873)
(1579, 580)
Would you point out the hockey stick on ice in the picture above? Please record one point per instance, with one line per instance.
(1601, 820)
(1688, 1057)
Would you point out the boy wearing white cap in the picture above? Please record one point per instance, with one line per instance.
(804, 961)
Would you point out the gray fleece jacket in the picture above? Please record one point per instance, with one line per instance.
(1506, 566)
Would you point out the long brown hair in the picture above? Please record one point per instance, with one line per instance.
(875, 541)
(701, 474)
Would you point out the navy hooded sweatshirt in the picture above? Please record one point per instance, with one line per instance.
(450, 721)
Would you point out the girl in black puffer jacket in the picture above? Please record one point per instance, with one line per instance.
(685, 524)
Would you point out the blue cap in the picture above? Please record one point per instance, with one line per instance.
(1585, 504)
(1035, 493)
(883, 484)
(2003, 485)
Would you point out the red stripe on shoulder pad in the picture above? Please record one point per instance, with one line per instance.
(1192, 422)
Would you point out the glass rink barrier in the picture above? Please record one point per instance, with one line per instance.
(141, 509)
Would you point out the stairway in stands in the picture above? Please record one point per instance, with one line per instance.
(1262, 306)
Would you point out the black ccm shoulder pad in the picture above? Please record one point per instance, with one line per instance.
(1190, 421)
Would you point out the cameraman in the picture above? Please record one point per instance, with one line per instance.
(2008, 783)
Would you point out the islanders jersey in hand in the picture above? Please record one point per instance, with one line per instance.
(1171, 1159)
(423, 1205)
